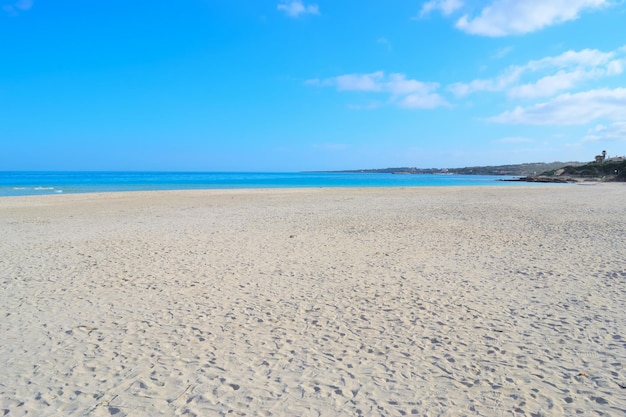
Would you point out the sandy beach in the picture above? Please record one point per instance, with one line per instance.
(487, 301)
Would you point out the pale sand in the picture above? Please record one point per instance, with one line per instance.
(424, 301)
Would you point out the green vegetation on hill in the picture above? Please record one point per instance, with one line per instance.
(531, 172)
(607, 171)
(512, 170)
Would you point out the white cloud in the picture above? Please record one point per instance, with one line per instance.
(510, 76)
(515, 17)
(613, 132)
(565, 80)
(615, 67)
(402, 91)
(571, 109)
(553, 84)
(502, 52)
(423, 101)
(586, 57)
(295, 8)
(368, 106)
(359, 82)
(447, 7)
(563, 72)
(398, 85)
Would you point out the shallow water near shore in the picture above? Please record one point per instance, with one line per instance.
(41, 183)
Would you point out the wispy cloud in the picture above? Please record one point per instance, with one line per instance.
(372, 81)
(295, 8)
(515, 17)
(502, 52)
(500, 83)
(446, 7)
(512, 17)
(372, 105)
(553, 84)
(613, 132)
(385, 42)
(571, 109)
(552, 75)
(402, 92)
(16, 7)
(423, 101)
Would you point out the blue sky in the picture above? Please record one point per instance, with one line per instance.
(290, 85)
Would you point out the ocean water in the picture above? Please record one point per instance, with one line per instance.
(38, 183)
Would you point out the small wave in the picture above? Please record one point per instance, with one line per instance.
(44, 188)
(20, 188)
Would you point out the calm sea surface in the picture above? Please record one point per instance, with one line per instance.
(36, 183)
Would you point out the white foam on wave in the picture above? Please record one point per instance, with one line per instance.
(44, 188)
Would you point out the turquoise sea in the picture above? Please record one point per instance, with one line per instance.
(37, 183)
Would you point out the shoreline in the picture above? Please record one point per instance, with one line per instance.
(74, 183)
(370, 301)
(498, 184)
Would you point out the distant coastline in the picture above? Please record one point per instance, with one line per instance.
(538, 172)
(516, 170)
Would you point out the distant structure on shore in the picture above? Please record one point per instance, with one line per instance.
(600, 159)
